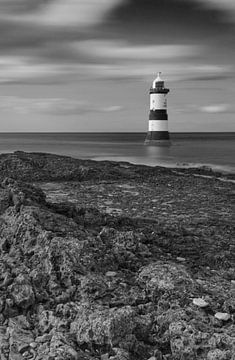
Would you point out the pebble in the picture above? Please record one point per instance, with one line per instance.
(222, 316)
(200, 281)
(33, 345)
(111, 273)
(180, 259)
(200, 302)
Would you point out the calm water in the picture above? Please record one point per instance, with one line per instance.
(213, 149)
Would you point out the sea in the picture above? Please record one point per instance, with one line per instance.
(212, 150)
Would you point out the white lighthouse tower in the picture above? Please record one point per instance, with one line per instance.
(158, 134)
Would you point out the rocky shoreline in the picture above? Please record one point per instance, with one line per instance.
(114, 261)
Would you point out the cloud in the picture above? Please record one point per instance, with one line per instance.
(19, 6)
(228, 5)
(122, 50)
(202, 16)
(47, 41)
(53, 106)
(217, 108)
(223, 108)
(61, 12)
(33, 70)
(16, 68)
(112, 108)
(144, 70)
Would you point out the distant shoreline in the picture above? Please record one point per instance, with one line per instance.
(177, 166)
(115, 132)
(194, 169)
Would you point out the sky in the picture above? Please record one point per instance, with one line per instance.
(87, 65)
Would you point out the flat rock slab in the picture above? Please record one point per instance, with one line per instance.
(222, 316)
(200, 303)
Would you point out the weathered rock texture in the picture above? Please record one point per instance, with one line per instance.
(91, 261)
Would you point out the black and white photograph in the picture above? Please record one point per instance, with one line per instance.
(117, 174)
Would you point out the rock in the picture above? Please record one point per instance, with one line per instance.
(223, 340)
(200, 302)
(181, 259)
(105, 357)
(22, 292)
(20, 336)
(160, 277)
(217, 354)
(222, 316)
(4, 342)
(102, 326)
(111, 273)
(60, 348)
(184, 347)
(93, 286)
(185, 339)
(22, 194)
(158, 355)
(33, 345)
(120, 354)
(143, 326)
(77, 283)
(126, 246)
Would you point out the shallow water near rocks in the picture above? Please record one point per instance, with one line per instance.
(215, 150)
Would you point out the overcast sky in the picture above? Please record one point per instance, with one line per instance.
(87, 65)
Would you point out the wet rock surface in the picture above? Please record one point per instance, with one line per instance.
(104, 260)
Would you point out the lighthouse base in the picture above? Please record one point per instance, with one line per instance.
(158, 138)
(157, 142)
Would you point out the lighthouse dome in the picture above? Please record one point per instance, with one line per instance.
(158, 82)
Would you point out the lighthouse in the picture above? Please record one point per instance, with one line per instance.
(158, 134)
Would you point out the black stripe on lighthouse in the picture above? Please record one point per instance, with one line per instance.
(157, 135)
(158, 115)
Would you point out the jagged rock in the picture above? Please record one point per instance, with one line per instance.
(4, 199)
(22, 292)
(61, 349)
(21, 194)
(120, 354)
(182, 340)
(225, 341)
(102, 326)
(143, 326)
(4, 342)
(46, 322)
(123, 249)
(93, 286)
(78, 283)
(166, 316)
(20, 337)
(217, 354)
(161, 277)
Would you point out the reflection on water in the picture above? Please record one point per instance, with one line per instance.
(157, 152)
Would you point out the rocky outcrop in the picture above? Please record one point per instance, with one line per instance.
(77, 282)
